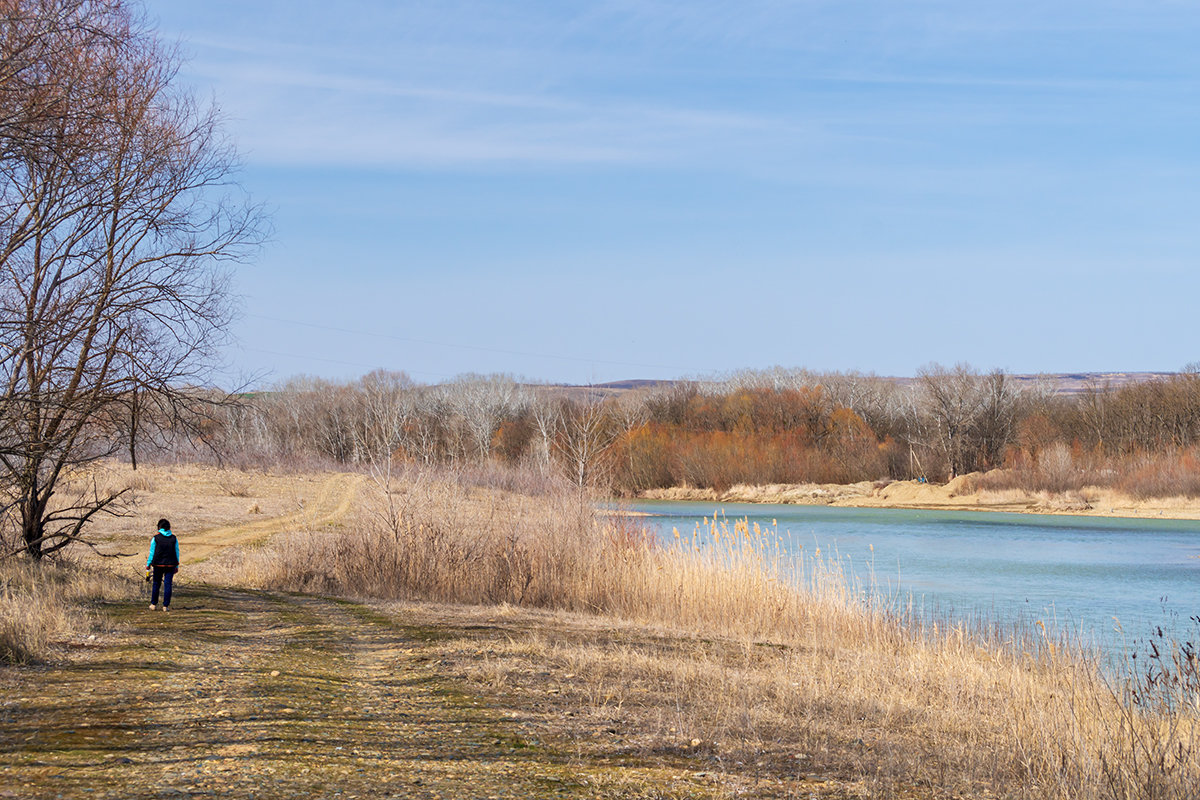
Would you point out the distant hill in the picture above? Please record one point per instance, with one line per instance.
(1075, 382)
(632, 384)
(1064, 382)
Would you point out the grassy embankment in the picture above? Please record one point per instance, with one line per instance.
(703, 648)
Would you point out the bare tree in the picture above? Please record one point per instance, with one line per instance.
(388, 408)
(876, 400)
(545, 413)
(1095, 412)
(118, 220)
(996, 420)
(425, 430)
(952, 399)
(587, 432)
(481, 404)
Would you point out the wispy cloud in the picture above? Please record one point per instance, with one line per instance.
(702, 84)
(762, 85)
(295, 112)
(984, 81)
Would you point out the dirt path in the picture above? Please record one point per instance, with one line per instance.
(334, 497)
(240, 694)
(332, 503)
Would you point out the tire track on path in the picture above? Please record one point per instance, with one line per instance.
(333, 501)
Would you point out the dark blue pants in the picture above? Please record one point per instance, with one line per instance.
(162, 576)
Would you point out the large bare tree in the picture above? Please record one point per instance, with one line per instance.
(481, 403)
(951, 402)
(587, 432)
(119, 218)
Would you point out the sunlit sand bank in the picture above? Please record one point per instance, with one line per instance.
(958, 494)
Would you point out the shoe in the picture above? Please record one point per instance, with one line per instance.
(166, 608)
(152, 606)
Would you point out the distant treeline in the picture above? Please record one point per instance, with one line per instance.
(755, 427)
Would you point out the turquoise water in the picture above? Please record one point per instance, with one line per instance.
(1111, 581)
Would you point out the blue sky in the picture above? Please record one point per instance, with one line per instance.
(585, 192)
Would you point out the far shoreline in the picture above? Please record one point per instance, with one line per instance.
(957, 495)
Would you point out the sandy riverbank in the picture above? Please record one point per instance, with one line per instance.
(958, 494)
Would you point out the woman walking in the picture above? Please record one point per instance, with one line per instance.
(164, 560)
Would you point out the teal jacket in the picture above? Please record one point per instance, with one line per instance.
(164, 557)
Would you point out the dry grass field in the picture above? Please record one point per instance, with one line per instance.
(697, 659)
(210, 507)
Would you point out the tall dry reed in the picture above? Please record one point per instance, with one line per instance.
(432, 539)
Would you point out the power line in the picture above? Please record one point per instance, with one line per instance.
(479, 348)
(338, 361)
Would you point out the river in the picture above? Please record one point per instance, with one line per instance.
(1110, 582)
